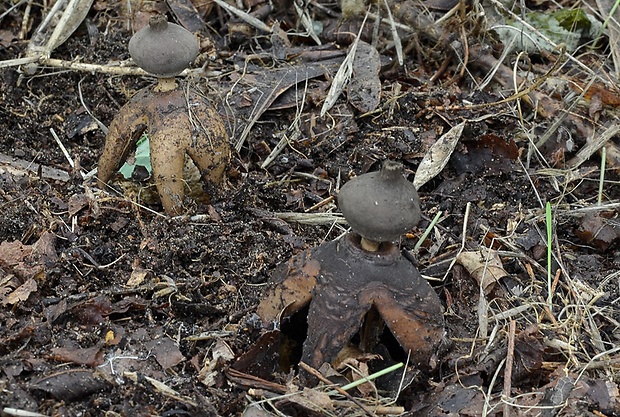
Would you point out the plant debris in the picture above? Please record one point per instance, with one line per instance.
(108, 306)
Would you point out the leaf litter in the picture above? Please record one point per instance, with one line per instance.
(171, 302)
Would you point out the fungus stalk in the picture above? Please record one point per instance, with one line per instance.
(369, 245)
(165, 84)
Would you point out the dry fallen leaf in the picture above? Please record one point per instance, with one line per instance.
(137, 277)
(364, 89)
(486, 268)
(438, 156)
(21, 293)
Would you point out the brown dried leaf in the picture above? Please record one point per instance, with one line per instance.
(92, 356)
(598, 231)
(313, 400)
(21, 293)
(71, 385)
(166, 352)
(137, 277)
(486, 155)
(484, 267)
(12, 253)
(364, 89)
(221, 354)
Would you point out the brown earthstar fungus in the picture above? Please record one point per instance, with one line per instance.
(178, 118)
(362, 278)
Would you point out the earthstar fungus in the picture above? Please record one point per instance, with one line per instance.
(363, 273)
(179, 119)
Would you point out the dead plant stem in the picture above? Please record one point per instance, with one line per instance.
(508, 367)
(318, 375)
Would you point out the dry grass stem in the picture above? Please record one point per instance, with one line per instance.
(249, 19)
(316, 219)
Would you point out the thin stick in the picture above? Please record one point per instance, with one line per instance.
(249, 19)
(317, 374)
(10, 9)
(463, 240)
(103, 127)
(549, 221)
(376, 375)
(343, 76)
(602, 177)
(397, 43)
(320, 204)
(306, 21)
(62, 147)
(508, 367)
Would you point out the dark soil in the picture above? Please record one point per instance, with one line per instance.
(126, 291)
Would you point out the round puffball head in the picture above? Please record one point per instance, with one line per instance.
(163, 49)
(382, 205)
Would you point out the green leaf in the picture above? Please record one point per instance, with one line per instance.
(142, 158)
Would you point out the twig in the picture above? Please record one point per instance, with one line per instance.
(10, 9)
(103, 127)
(508, 367)
(515, 96)
(343, 75)
(264, 106)
(306, 21)
(397, 43)
(247, 18)
(517, 18)
(312, 218)
(21, 167)
(320, 204)
(594, 145)
(463, 241)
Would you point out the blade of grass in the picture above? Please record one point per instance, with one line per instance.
(369, 377)
(426, 232)
(549, 221)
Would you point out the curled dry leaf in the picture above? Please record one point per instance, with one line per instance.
(598, 231)
(92, 356)
(166, 352)
(364, 89)
(71, 384)
(438, 156)
(20, 293)
(484, 266)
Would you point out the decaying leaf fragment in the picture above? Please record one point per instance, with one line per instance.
(484, 266)
(438, 156)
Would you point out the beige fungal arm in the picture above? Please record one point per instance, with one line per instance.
(124, 132)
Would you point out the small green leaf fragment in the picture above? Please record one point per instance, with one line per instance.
(142, 158)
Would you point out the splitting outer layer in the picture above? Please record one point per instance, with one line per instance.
(342, 283)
